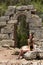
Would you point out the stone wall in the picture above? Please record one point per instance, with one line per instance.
(8, 24)
(6, 32)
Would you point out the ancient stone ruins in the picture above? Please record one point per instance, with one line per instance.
(8, 24)
(8, 27)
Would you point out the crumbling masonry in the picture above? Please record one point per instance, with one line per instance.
(8, 24)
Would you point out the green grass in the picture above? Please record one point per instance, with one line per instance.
(3, 8)
(37, 5)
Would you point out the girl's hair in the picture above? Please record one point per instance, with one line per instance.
(32, 33)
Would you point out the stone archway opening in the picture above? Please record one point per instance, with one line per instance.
(22, 31)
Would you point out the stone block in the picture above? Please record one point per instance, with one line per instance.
(38, 43)
(2, 24)
(35, 22)
(4, 18)
(37, 32)
(21, 8)
(7, 42)
(40, 54)
(35, 27)
(30, 7)
(28, 15)
(4, 36)
(12, 22)
(30, 55)
(16, 51)
(8, 29)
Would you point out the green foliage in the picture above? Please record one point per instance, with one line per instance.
(37, 3)
(24, 2)
(22, 31)
(3, 8)
(38, 6)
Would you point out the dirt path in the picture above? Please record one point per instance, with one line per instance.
(6, 54)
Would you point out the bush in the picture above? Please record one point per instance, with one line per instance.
(22, 31)
(3, 8)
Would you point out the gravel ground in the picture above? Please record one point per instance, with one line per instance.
(6, 58)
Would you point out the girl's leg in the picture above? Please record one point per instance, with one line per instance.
(20, 54)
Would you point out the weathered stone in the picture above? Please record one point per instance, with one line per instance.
(8, 29)
(4, 18)
(21, 8)
(2, 24)
(37, 32)
(12, 21)
(25, 13)
(30, 7)
(4, 36)
(40, 54)
(30, 55)
(16, 51)
(35, 22)
(8, 42)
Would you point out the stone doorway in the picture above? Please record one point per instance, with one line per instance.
(21, 31)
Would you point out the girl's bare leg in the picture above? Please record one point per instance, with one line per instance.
(20, 54)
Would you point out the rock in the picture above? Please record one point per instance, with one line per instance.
(40, 54)
(16, 51)
(2, 24)
(30, 55)
(7, 42)
(8, 29)
(35, 22)
(31, 7)
(4, 18)
(12, 21)
(6, 46)
(21, 8)
(4, 36)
